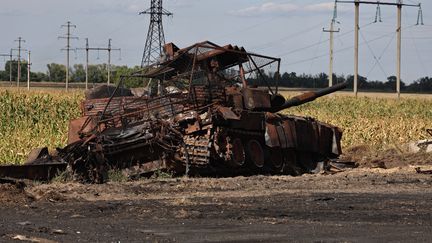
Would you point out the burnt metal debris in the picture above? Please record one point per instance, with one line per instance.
(202, 118)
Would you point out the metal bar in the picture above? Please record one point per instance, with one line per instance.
(43, 172)
(263, 77)
(28, 71)
(278, 77)
(238, 52)
(87, 63)
(381, 3)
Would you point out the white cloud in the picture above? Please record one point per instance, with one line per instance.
(266, 8)
(271, 8)
(320, 7)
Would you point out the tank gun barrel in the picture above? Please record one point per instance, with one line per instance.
(310, 96)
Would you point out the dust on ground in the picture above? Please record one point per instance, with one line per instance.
(362, 204)
(366, 157)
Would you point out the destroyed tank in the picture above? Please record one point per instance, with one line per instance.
(203, 117)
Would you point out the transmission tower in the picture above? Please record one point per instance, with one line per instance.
(155, 37)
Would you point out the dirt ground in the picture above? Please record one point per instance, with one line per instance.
(357, 205)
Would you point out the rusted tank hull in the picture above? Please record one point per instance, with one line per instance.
(216, 124)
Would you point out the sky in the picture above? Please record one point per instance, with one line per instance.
(289, 29)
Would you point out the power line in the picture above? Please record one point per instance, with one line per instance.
(373, 53)
(399, 6)
(315, 52)
(109, 50)
(319, 42)
(382, 54)
(68, 37)
(418, 53)
(340, 50)
(288, 37)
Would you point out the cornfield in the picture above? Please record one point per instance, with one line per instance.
(40, 119)
(34, 119)
(378, 122)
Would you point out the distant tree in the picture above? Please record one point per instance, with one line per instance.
(421, 85)
(362, 82)
(78, 73)
(38, 77)
(130, 82)
(56, 72)
(391, 84)
(15, 70)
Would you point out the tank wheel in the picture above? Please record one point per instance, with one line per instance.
(256, 153)
(276, 159)
(238, 157)
(290, 166)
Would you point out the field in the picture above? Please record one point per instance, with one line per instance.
(359, 205)
(40, 118)
(34, 119)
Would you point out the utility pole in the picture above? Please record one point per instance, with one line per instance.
(399, 5)
(68, 37)
(332, 31)
(87, 62)
(20, 40)
(109, 58)
(28, 71)
(153, 49)
(109, 49)
(10, 64)
(356, 46)
(399, 47)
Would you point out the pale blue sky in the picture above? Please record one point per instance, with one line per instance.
(281, 28)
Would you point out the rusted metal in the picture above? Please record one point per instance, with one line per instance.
(41, 172)
(215, 124)
(421, 171)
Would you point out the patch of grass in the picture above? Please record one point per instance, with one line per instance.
(162, 175)
(116, 176)
(62, 177)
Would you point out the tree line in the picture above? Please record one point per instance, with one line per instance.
(57, 73)
(98, 74)
(293, 80)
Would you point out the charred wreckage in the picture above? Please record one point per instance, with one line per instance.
(204, 117)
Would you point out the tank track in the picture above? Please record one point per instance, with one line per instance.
(196, 152)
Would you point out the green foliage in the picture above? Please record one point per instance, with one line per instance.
(379, 122)
(116, 176)
(62, 177)
(162, 175)
(56, 72)
(34, 76)
(78, 73)
(293, 80)
(124, 71)
(33, 119)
